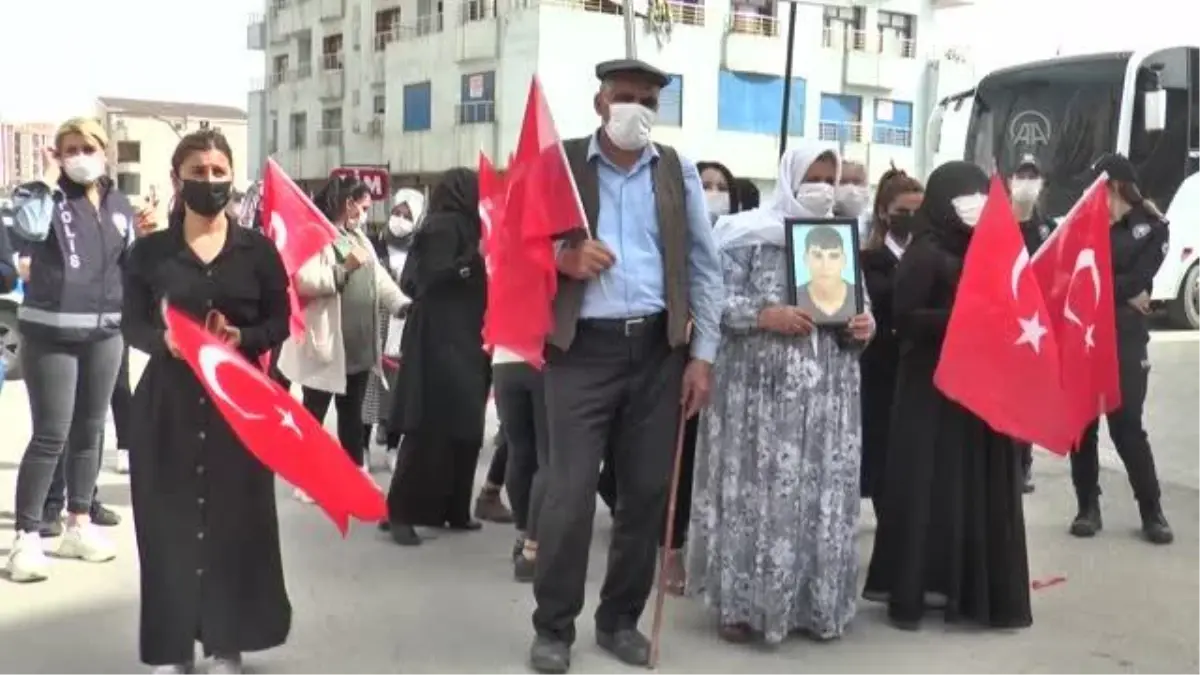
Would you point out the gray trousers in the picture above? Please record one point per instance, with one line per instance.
(69, 387)
(521, 406)
(617, 386)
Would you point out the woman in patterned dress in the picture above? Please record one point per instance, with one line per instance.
(776, 492)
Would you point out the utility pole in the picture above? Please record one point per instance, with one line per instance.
(630, 29)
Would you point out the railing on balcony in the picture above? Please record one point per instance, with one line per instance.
(430, 23)
(277, 5)
(476, 112)
(753, 23)
(686, 13)
(681, 11)
(871, 42)
(279, 77)
(385, 38)
(476, 10)
(334, 61)
(885, 134)
(328, 138)
(840, 132)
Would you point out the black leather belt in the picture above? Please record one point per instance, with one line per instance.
(634, 327)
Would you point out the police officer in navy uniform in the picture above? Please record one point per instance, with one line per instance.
(1140, 240)
(1025, 188)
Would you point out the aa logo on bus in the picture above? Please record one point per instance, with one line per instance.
(377, 179)
(1029, 128)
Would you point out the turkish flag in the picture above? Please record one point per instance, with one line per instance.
(539, 169)
(1000, 359)
(492, 196)
(1074, 269)
(297, 227)
(276, 428)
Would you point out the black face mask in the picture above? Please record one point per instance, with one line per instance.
(900, 225)
(205, 198)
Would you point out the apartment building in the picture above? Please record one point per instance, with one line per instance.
(21, 146)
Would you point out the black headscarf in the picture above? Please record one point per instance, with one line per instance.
(747, 191)
(458, 194)
(937, 217)
(735, 200)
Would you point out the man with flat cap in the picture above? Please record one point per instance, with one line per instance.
(636, 330)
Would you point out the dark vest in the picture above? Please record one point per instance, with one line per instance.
(671, 207)
(74, 290)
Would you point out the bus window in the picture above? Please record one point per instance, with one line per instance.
(1162, 156)
(1194, 115)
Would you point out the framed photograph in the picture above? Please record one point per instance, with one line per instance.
(824, 277)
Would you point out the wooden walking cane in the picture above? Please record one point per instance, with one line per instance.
(667, 557)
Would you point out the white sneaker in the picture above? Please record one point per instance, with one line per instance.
(393, 455)
(226, 665)
(84, 542)
(27, 561)
(173, 669)
(301, 496)
(122, 461)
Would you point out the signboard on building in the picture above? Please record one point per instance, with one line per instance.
(377, 178)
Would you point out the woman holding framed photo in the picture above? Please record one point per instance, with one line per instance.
(776, 496)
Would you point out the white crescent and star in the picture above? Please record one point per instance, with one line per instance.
(210, 358)
(1032, 330)
(1086, 260)
(279, 231)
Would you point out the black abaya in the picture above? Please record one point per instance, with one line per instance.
(952, 530)
(442, 386)
(203, 506)
(879, 363)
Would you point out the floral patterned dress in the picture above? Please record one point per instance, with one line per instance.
(776, 492)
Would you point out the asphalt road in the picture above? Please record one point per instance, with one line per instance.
(364, 605)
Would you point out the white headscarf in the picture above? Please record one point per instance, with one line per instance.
(764, 225)
(416, 204)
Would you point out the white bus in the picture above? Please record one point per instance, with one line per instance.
(1069, 111)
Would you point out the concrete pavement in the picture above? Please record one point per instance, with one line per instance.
(364, 605)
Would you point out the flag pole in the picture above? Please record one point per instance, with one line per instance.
(666, 556)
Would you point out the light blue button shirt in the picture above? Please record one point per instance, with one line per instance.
(628, 224)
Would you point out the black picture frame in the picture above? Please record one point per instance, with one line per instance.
(798, 231)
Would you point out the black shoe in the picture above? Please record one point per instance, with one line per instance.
(1087, 522)
(52, 526)
(524, 568)
(404, 535)
(549, 656)
(628, 645)
(518, 548)
(103, 516)
(1155, 528)
(467, 526)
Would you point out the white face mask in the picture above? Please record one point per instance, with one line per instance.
(84, 169)
(1025, 190)
(816, 198)
(400, 226)
(969, 208)
(718, 203)
(629, 125)
(851, 199)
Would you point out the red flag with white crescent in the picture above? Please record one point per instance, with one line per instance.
(276, 428)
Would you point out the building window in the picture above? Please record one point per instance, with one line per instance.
(129, 184)
(379, 104)
(670, 103)
(752, 103)
(893, 123)
(128, 152)
(387, 27)
(331, 52)
(897, 34)
(476, 10)
(477, 100)
(841, 118)
(304, 55)
(430, 16)
(752, 18)
(417, 107)
(844, 28)
(331, 127)
(299, 130)
(279, 70)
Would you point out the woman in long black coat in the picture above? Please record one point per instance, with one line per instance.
(952, 531)
(896, 203)
(442, 387)
(203, 506)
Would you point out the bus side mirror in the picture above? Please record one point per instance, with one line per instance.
(1154, 110)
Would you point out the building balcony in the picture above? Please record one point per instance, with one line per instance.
(752, 44)
(256, 33)
(889, 135)
(753, 23)
(680, 11)
(334, 61)
(332, 85)
(304, 71)
(332, 10)
(476, 112)
(840, 132)
(951, 4)
(874, 59)
(476, 10)
(283, 19)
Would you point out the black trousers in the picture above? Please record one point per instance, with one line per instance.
(350, 430)
(617, 386)
(498, 468)
(683, 496)
(1124, 428)
(521, 405)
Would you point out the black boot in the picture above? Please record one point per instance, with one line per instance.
(1155, 528)
(1087, 522)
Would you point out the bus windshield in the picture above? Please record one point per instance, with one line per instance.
(1063, 112)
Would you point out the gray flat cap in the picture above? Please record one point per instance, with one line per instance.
(607, 69)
